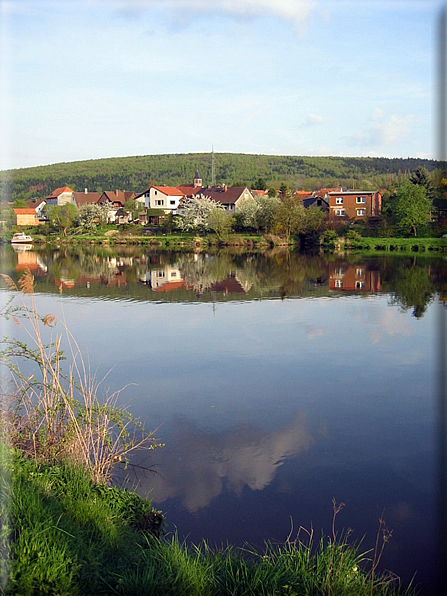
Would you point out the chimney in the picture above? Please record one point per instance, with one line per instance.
(85, 191)
(225, 188)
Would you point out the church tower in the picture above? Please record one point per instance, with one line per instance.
(197, 180)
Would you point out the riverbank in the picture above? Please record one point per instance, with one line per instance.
(328, 242)
(64, 534)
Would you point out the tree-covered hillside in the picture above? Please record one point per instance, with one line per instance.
(135, 173)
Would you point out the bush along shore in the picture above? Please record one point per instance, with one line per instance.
(65, 530)
(328, 241)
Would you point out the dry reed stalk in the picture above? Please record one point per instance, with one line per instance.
(60, 414)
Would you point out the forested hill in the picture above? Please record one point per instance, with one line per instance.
(136, 173)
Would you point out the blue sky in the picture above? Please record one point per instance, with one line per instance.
(84, 79)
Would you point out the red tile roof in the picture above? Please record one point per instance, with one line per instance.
(169, 190)
(59, 191)
(23, 211)
(189, 189)
(170, 286)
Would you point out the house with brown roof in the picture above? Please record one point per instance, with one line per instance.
(86, 198)
(38, 205)
(231, 198)
(116, 198)
(316, 201)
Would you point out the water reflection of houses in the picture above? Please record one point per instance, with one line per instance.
(231, 285)
(168, 278)
(353, 278)
(28, 259)
(164, 279)
(109, 271)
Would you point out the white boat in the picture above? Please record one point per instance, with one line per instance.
(21, 238)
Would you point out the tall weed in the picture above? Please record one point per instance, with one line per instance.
(56, 411)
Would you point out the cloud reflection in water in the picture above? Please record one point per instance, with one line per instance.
(196, 465)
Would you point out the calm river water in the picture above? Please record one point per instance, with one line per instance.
(277, 381)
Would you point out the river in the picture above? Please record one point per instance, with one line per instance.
(277, 381)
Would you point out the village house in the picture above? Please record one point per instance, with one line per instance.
(231, 198)
(166, 198)
(38, 205)
(27, 217)
(117, 198)
(354, 204)
(60, 196)
(86, 198)
(316, 201)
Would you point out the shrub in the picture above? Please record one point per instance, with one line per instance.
(55, 412)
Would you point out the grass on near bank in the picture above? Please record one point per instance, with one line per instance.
(64, 534)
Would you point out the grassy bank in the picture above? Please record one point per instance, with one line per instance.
(393, 245)
(165, 241)
(64, 534)
(353, 241)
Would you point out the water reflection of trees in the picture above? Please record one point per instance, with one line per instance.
(263, 274)
(411, 285)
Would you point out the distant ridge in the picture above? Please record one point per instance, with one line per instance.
(137, 172)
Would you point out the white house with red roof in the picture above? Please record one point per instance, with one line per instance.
(166, 198)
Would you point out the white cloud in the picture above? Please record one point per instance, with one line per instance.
(294, 11)
(314, 120)
(384, 130)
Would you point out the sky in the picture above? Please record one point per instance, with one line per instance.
(87, 79)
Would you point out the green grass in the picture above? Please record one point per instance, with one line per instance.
(63, 534)
(397, 245)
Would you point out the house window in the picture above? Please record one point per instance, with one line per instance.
(360, 272)
(155, 192)
(172, 202)
(339, 271)
(339, 201)
(359, 285)
(338, 283)
(159, 202)
(160, 273)
(360, 200)
(361, 212)
(173, 273)
(339, 212)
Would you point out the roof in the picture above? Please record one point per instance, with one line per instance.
(189, 189)
(170, 285)
(353, 192)
(59, 191)
(309, 201)
(83, 198)
(117, 196)
(35, 204)
(171, 191)
(23, 211)
(222, 194)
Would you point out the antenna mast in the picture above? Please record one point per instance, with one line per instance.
(213, 167)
